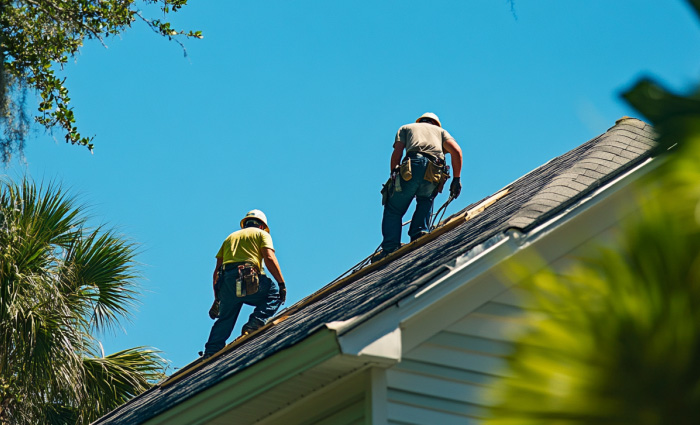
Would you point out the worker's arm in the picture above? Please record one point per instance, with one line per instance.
(450, 146)
(396, 155)
(273, 266)
(219, 262)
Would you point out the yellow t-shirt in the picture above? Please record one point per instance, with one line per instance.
(245, 245)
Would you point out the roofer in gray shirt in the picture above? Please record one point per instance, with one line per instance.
(421, 174)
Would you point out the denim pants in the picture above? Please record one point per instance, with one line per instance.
(266, 302)
(398, 204)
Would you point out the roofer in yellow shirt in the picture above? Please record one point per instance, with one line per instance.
(239, 279)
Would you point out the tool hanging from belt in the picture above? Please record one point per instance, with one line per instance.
(248, 281)
(390, 186)
(442, 177)
(437, 172)
(214, 309)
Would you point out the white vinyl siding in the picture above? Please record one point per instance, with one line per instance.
(442, 380)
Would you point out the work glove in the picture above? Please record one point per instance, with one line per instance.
(283, 292)
(214, 310)
(455, 187)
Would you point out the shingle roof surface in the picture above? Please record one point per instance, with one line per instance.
(532, 199)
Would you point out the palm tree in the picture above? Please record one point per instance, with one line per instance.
(61, 283)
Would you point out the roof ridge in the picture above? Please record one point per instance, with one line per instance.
(586, 167)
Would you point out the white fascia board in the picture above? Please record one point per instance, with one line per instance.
(379, 345)
(473, 276)
(460, 292)
(380, 339)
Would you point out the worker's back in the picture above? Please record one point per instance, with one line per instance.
(245, 245)
(424, 138)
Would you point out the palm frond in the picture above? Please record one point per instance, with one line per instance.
(99, 273)
(112, 380)
(59, 282)
(38, 221)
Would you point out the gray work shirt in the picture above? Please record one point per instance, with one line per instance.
(424, 138)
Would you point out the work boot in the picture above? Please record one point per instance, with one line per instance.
(381, 254)
(418, 236)
(248, 328)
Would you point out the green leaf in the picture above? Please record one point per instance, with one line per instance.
(676, 118)
(36, 38)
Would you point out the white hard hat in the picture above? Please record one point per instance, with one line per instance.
(256, 214)
(431, 116)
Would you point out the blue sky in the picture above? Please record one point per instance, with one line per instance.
(291, 107)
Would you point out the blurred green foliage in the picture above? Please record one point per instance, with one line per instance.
(615, 339)
(37, 37)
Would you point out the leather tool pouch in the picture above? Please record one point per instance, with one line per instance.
(406, 173)
(214, 310)
(248, 281)
(443, 179)
(433, 172)
(387, 189)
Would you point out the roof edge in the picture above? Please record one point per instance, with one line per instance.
(256, 379)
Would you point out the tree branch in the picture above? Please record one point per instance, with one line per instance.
(155, 28)
(66, 17)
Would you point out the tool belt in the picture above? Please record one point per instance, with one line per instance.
(437, 171)
(416, 154)
(248, 281)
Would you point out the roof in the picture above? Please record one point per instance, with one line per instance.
(528, 202)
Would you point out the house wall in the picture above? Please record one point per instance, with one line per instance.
(442, 380)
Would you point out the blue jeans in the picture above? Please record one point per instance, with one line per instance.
(266, 302)
(398, 204)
